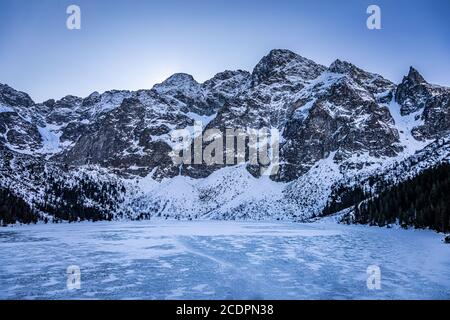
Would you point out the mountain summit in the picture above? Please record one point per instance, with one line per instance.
(284, 65)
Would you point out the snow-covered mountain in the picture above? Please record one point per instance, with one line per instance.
(108, 155)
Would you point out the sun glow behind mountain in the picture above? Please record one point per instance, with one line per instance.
(124, 45)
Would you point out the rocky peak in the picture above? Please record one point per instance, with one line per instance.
(413, 93)
(177, 82)
(430, 102)
(374, 83)
(92, 99)
(414, 77)
(343, 67)
(285, 65)
(14, 98)
(277, 57)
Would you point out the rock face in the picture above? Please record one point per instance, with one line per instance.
(340, 113)
(428, 103)
(413, 92)
(336, 123)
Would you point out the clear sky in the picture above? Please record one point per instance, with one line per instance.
(133, 44)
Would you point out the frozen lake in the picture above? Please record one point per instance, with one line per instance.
(221, 260)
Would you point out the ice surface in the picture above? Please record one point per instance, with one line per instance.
(221, 260)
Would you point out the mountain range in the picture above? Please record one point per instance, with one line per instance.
(107, 156)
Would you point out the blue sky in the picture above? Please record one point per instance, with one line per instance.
(134, 44)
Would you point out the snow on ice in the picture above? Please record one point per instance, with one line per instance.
(221, 260)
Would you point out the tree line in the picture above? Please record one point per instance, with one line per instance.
(14, 209)
(421, 202)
